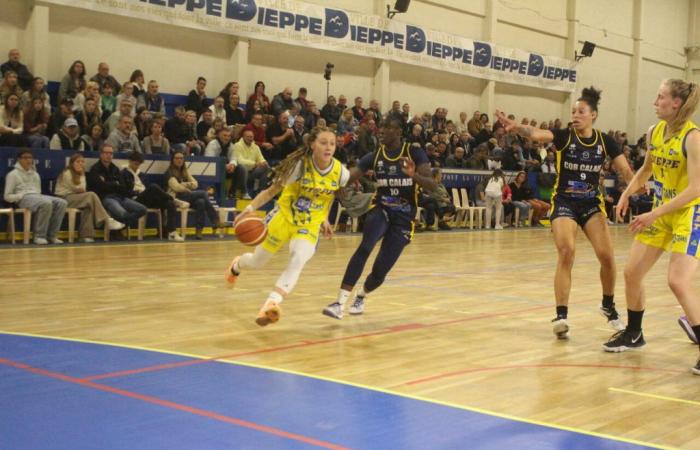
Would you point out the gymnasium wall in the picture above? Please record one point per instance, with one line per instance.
(176, 56)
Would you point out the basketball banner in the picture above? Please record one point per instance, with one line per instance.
(308, 25)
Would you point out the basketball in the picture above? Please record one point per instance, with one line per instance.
(251, 231)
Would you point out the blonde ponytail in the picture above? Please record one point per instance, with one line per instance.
(690, 95)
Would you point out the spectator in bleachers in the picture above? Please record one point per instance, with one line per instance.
(88, 116)
(348, 123)
(249, 156)
(254, 109)
(374, 107)
(102, 77)
(457, 160)
(533, 123)
(10, 86)
(155, 142)
(512, 158)
(439, 119)
(259, 95)
(36, 89)
(107, 182)
(531, 155)
(311, 115)
(301, 101)
(186, 137)
(206, 122)
(342, 102)
(406, 112)
(127, 93)
(367, 139)
(462, 123)
(395, 111)
(358, 112)
(92, 91)
(522, 193)
(109, 101)
(299, 129)
(416, 136)
(23, 187)
(152, 99)
(475, 124)
(71, 185)
(282, 102)
(217, 108)
(197, 98)
(142, 122)
(175, 125)
(151, 196)
(36, 122)
(223, 148)
(480, 160)
(73, 82)
(331, 111)
(282, 137)
(138, 81)
(494, 198)
(24, 76)
(230, 88)
(436, 203)
(216, 126)
(183, 186)
(94, 138)
(11, 122)
(519, 200)
(122, 139)
(64, 111)
(68, 137)
(259, 132)
(234, 114)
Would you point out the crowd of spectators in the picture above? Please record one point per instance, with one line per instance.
(100, 114)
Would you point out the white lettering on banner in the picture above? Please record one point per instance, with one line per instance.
(299, 23)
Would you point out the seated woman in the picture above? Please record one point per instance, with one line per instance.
(183, 186)
(437, 203)
(93, 138)
(36, 122)
(155, 142)
(523, 193)
(71, 186)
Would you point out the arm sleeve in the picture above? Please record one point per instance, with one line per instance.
(9, 195)
(611, 147)
(175, 185)
(344, 176)
(561, 136)
(418, 155)
(366, 162)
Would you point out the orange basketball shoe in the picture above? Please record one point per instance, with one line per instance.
(269, 313)
(230, 275)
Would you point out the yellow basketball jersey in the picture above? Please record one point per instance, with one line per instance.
(306, 201)
(669, 163)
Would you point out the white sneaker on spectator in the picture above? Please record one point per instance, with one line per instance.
(88, 240)
(246, 196)
(55, 240)
(113, 224)
(181, 204)
(498, 227)
(40, 241)
(175, 236)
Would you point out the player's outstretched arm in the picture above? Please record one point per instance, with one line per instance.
(261, 199)
(526, 131)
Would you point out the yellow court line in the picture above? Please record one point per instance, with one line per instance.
(357, 385)
(656, 396)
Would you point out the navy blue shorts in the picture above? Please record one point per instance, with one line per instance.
(579, 210)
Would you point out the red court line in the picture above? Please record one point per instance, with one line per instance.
(173, 405)
(455, 373)
(390, 330)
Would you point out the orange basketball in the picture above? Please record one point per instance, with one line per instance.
(251, 231)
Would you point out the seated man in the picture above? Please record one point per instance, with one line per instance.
(58, 118)
(102, 77)
(282, 136)
(107, 182)
(249, 156)
(151, 99)
(122, 139)
(457, 160)
(23, 187)
(259, 133)
(24, 76)
(152, 196)
(221, 147)
(126, 108)
(282, 102)
(68, 137)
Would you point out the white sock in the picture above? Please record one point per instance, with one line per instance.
(236, 268)
(343, 296)
(276, 296)
(361, 292)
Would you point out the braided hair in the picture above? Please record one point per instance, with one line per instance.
(285, 169)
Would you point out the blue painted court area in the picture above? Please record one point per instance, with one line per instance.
(49, 399)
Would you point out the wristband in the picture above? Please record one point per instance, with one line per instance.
(249, 208)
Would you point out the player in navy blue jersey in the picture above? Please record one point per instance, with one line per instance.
(578, 202)
(399, 170)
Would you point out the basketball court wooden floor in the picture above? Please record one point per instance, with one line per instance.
(142, 346)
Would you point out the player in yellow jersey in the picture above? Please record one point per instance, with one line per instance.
(673, 159)
(308, 180)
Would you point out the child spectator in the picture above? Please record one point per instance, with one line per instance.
(494, 197)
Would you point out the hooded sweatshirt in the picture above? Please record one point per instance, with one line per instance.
(20, 182)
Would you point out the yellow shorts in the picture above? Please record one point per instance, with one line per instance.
(678, 232)
(280, 231)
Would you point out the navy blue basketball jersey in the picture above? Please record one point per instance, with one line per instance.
(396, 191)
